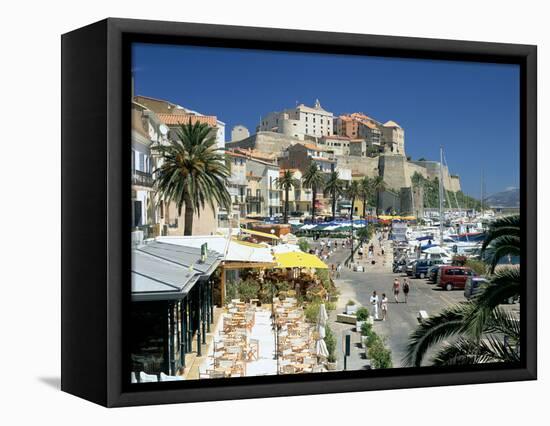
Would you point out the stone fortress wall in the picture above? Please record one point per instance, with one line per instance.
(395, 169)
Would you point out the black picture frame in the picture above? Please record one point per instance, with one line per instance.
(95, 184)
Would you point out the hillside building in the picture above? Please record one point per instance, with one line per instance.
(299, 122)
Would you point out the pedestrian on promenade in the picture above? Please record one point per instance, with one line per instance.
(384, 306)
(396, 286)
(406, 288)
(338, 270)
(374, 303)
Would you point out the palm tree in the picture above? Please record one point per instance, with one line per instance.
(378, 186)
(482, 331)
(502, 240)
(313, 178)
(366, 186)
(286, 181)
(335, 188)
(352, 192)
(192, 172)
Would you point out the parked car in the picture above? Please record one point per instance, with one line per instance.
(420, 268)
(473, 286)
(409, 268)
(432, 273)
(453, 277)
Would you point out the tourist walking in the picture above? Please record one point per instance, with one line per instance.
(374, 303)
(396, 286)
(338, 270)
(384, 306)
(406, 288)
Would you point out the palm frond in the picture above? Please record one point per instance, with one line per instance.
(430, 332)
(503, 285)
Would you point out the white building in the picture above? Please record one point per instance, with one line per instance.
(299, 122)
(239, 132)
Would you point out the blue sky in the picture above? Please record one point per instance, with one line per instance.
(472, 109)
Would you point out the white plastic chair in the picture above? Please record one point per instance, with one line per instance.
(167, 378)
(133, 377)
(147, 378)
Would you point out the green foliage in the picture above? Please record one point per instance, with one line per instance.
(244, 290)
(351, 302)
(431, 194)
(366, 329)
(311, 311)
(303, 244)
(331, 306)
(478, 266)
(379, 354)
(230, 291)
(193, 173)
(459, 260)
(313, 178)
(362, 314)
(248, 289)
(330, 340)
(286, 182)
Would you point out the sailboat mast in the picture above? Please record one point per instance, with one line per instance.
(482, 195)
(441, 190)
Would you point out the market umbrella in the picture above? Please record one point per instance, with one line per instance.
(323, 316)
(322, 319)
(321, 349)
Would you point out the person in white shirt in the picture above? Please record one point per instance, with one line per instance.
(374, 303)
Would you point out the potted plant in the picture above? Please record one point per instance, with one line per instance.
(366, 332)
(351, 307)
(361, 316)
(330, 340)
(331, 363)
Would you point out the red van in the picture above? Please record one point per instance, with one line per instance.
(453, 277)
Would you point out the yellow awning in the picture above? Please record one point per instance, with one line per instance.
(299, 260)
(259, 234)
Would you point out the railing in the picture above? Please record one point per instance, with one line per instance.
(254, 199)
(142, 178)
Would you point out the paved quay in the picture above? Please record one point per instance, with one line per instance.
(402, 317)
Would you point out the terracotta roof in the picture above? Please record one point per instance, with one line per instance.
(234, 154)
(255, 154)
(336, 137)
(313, 147)
(177, 119)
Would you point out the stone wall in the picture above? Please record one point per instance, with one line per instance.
(364, 165)
(451, 183)
(268, 142)
(393, 169)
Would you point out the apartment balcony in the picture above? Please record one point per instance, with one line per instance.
(274, 202)
(238, 180)
(254, 199)
(140, 178)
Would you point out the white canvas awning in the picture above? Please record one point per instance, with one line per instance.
(231, 250)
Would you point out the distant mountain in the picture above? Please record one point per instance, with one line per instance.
(507, 198)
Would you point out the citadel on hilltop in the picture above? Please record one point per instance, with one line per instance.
(355, 144)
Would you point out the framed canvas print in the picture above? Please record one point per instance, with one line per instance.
(273, 212)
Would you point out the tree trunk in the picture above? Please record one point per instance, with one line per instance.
(365, 207)
(188, 226)
(351, 223)
(285, 219)
(377, 202)
(333, 205)
(314, 196)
